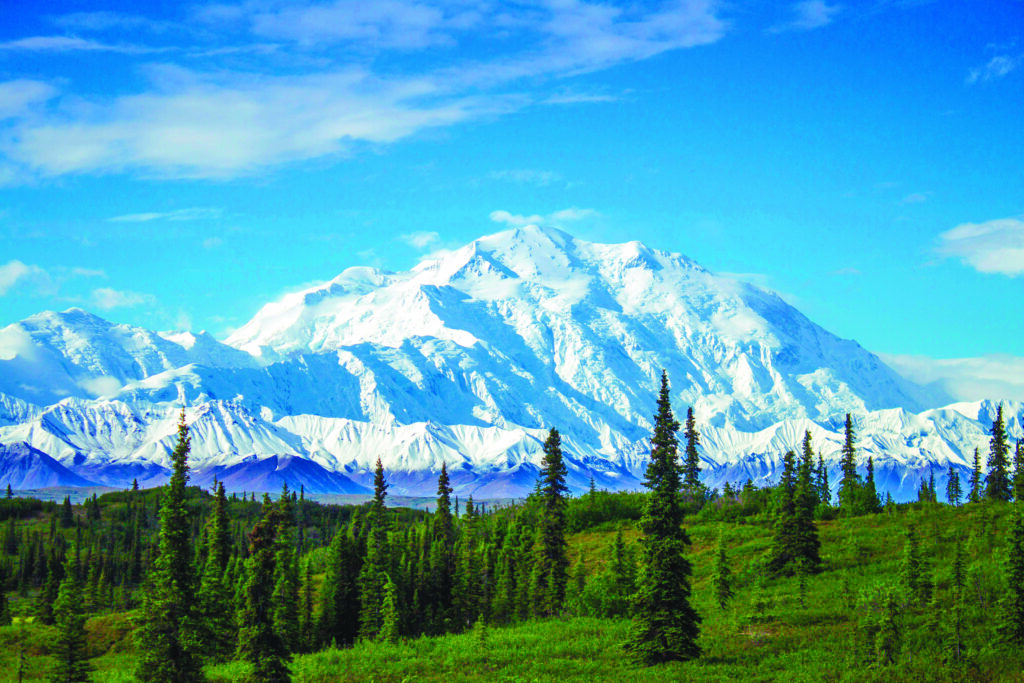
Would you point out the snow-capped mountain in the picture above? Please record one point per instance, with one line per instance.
(468, 359)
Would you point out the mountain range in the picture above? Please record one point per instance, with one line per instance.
(468, 359)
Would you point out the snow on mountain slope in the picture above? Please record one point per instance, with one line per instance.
(24, 467)
(467, 359)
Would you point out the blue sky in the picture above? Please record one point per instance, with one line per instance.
(178, 165)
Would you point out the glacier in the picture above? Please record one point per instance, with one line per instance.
(468, 359)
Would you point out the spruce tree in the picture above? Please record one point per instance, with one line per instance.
(307, 622)
(997, 483)
(888, 640)
(665, 626)
(691, 462)
(850, 482)
(442, 552)
(807, 547)
(914, 571)
(167, 632)
(869, 494)
(258, 643)
(721, 580)
(1018, 472)
(821, 480)
(373, 577)
(67, 515)
(1012, 625)
(286, 575)
(338, 620)
(953, 492)
(215, 613)
(390, 619)
(576, 586)
(975, 480)
(782, 553)
(551, 561)
(69, 651)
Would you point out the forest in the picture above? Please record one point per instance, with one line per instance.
(789, 582)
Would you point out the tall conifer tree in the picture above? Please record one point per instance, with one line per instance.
(373, 577)
(551, 560)
(1012, 626)
(217, 619)
(721, 580)
(997, 483)
(975, 481)
(850, 483)
(442, 553)
(1018, 472)
(259, 644)
(691, 463)
(71, 658)
(286, 574)
(167, 633)
(665, 626)
(953, 492)
(870, 504)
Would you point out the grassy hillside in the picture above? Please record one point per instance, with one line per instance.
(764, 633)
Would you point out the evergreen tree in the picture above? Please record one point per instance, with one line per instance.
(338, 618)
(621, 580)
(67, 516)
(69, 651)
(958, 566)
(48, 594)
(869, 494)
(821, 480)
(551, 561)
(373, 577)
(442, 551)
(166, 633)
(286, 575)
(577, 585)
(850, 482)
(782, 553)
(997, 483)
(258, 643)
(953, 492)
(216, 617)
(914, 572)
(1018, 472)
(10, 493)
(888, 641)
(975, 480)
(665, 626)
(691, 462)
(1012, 626)
(721, 580)
(390, 618)
(807, 547)
(307, 623)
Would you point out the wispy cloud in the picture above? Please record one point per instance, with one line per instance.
(192, 214)
(19, 97)
(995, 246)
(915, 198)
(210, 121)
(526, 176)
(556, 218)
(106, 298)
(420, 239)
(808, 15)
(995, 68)
(72, 44)
(15, 273)
(995, 376)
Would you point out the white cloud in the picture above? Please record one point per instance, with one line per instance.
(808, 15)
(88, 272)
(915, 198)
(70, 44)
(995, 246)
(18, 97)
(570, 215)
(106, 298)
(193, 214)
(997, 67)
(101, 386)
(212, 242)
(203, 126)
(420, 239)
(995, 377)
(526, 176)
(213, 122)
(15, 273)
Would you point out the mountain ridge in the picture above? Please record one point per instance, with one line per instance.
(467, 359)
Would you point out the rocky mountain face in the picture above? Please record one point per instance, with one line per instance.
(468, 359)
